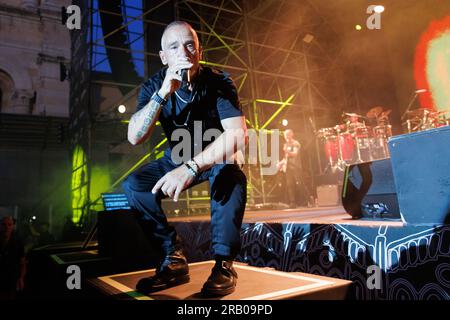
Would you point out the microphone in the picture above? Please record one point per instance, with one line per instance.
(185, 76)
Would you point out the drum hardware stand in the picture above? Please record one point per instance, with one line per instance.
(341, 164)
(358, 151)
(408, 123)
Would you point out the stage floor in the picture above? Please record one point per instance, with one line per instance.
(315, 215)
(253, 284)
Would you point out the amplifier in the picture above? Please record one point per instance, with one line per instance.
(328, 195)
(421, 167)
(369, 191)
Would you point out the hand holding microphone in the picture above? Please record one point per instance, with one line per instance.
(177, 75)
(185, 76)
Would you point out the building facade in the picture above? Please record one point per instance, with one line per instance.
(33, 43)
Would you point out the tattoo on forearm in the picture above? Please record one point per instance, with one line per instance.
(142, 120)
(144, 128)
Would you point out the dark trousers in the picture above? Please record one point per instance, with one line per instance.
(228, 189)
(295, 192)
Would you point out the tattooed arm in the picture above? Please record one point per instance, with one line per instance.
(142, 122)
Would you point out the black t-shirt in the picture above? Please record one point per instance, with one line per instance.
(213, 99)
(293, 162)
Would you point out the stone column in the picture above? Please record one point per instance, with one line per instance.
(21, 101)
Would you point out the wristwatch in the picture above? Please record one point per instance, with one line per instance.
(156, 97)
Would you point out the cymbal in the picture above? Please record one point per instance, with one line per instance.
(347, 116)
(442, 111)
(384, 114)
(351, 115)
(418, 112)
(374, 112)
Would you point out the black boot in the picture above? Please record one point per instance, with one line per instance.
(172, 271)
(222, 280)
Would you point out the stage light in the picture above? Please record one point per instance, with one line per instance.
(308, 38)
(122, 108)
(358, 27)
(79, 190)
(284, 122)
(379, 9)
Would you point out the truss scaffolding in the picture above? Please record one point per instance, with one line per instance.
(280, 54)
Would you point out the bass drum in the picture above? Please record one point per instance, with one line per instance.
(334, 145)
(331, 149)
(347, 144)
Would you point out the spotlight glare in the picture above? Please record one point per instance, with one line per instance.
(379, 9)
(122, 108)
(358, 27)
(284, 122)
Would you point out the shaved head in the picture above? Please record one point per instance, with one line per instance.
(176, 24)
(288, 134)
(179, 43)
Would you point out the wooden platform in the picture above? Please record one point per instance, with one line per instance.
(253, 284)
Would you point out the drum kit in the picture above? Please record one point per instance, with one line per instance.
(424, 119)
(364, 138)
(354, 141)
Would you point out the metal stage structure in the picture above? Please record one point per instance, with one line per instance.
(280, 53)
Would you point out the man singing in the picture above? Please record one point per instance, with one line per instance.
(207, 97)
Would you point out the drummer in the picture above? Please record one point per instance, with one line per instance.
(353, 122)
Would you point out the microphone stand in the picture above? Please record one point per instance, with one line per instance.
(410, 104)
(416, 93)
(313, 126)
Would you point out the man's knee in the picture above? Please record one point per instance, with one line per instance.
(127, 184)
(131, 184)
(228, 173)
(137, 193)
(228, 182)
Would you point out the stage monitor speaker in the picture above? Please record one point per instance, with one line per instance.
(328, 195)
(421, 166)
(369, 191)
